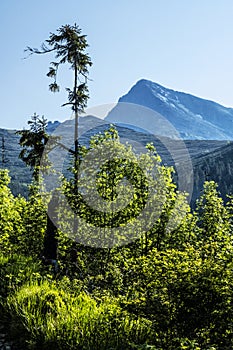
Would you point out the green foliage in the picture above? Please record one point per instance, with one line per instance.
(126, 185)
(22, 223)
(15, 270)
(170, 288)
(213, 215)
(182, 293)
(34, 223)
(10, 220)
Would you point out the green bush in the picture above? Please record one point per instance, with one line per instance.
(15, 270)
(22, 223)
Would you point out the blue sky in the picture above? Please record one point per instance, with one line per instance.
(183, 45)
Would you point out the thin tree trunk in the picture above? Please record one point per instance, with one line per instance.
(75, 140)
(76, 128)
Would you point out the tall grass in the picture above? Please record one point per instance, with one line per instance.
(49, 318)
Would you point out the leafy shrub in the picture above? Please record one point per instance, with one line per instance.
(15, 270)
(22, 223)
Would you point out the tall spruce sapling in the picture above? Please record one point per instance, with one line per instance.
(69, 46)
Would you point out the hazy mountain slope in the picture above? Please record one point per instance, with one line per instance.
(21, 176)
(192, 117)
(217, 166)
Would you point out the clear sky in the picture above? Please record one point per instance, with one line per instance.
(184, 45)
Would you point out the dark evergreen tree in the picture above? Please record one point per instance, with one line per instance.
(33, 142)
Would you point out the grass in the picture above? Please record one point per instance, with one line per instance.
(50, 318)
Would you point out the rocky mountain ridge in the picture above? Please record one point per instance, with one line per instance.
(191, 116)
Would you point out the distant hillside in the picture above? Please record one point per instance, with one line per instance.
(204, 154)
(20, 174)
(216, 166)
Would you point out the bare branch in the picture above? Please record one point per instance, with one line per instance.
(66, 148)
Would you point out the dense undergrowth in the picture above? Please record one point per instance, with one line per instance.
(168, 289)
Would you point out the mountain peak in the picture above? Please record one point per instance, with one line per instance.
(193, 117)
